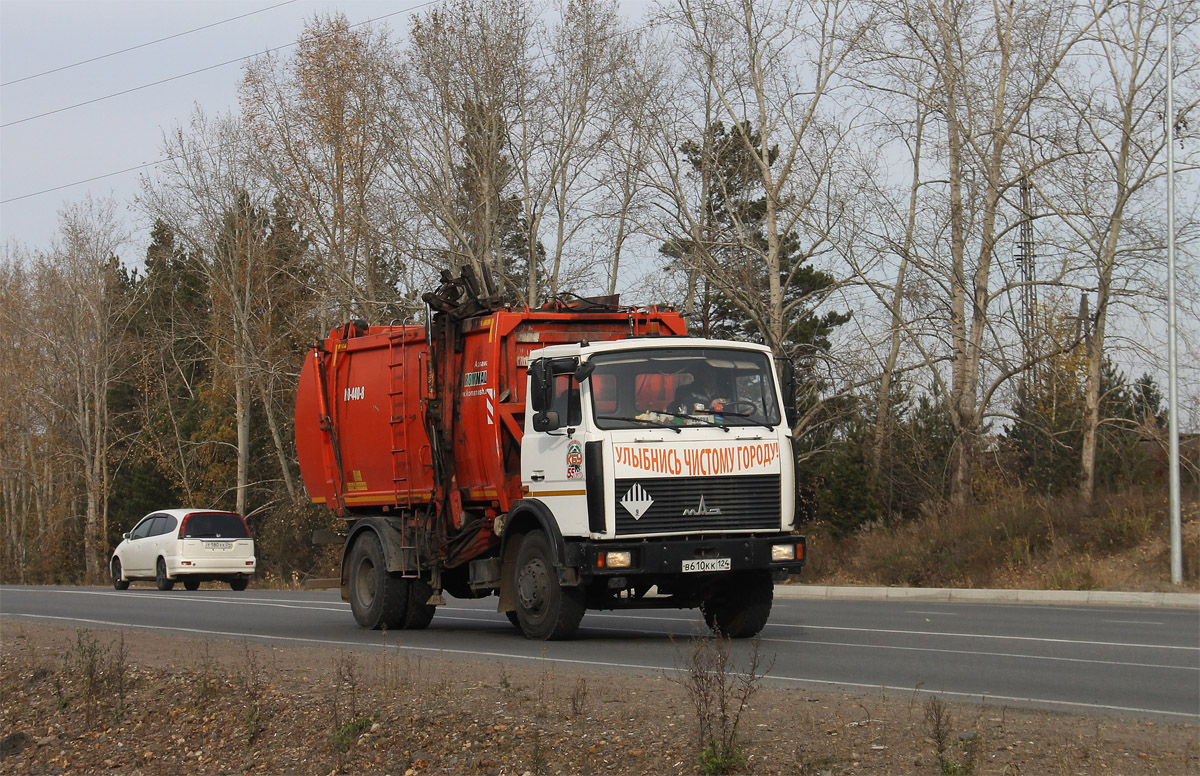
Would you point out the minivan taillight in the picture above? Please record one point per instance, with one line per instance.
(182, 523)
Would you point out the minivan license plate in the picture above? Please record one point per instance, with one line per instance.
(219, 545)
(708, 564)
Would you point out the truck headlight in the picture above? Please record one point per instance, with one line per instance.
(783, 552)
(614, 560)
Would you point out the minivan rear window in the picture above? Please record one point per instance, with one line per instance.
(214, 525)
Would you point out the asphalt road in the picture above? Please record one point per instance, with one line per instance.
(1136, 661)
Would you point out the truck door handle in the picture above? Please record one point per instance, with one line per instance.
(537, 477)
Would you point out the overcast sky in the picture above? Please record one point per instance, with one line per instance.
(97, 140)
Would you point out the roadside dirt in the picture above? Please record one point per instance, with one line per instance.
(92, 702)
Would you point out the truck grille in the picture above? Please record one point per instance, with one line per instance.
(673, 505)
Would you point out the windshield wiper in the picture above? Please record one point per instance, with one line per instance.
(705, 421)
(647, 421)
(749, 417)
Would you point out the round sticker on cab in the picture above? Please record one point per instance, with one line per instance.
(574, 461)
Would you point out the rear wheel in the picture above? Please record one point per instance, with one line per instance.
(545, 609)
(740, 606)
(419, 613)
(377, 599)
(238, 584)
(191, 584)
(118, 583)
(160, 576)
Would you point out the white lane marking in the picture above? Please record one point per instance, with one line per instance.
(889, 631)
(977, 653)
(1039, 639)
(1017, 656)
(1132, 622)
(176, 598)
(939, 614)
(983, 697)
(892, 631)
(150, 594)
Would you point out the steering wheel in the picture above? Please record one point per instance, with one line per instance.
(740, 407)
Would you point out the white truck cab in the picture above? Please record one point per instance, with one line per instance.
(665, 463)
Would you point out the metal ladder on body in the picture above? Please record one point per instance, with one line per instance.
(401, 453)
(398, 396)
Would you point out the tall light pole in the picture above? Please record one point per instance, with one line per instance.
(1172, 391)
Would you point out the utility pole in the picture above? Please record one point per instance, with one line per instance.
(1172, 392)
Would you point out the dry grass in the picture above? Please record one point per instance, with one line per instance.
(1016, 541)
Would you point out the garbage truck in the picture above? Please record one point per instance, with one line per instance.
(578, 455)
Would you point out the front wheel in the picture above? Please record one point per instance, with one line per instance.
(545, 609)
(160, 576)
(238, 585)
(118, 583)
(191, 584)
(739, 606)
(377, 599)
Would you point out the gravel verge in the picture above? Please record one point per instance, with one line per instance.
(85, 702)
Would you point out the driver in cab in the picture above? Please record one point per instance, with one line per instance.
(700, 395)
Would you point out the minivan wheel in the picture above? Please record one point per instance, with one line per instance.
(238, 584)
(118, 583)
(160, 577)
(191, 584)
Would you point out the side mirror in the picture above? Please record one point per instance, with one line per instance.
(539, 385)
(125, 535)
(545, 421)
(584, 371)
(787, 379)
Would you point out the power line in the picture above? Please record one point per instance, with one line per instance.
(86, 180)
(201, 70)
(143, 45)
(170, 158)
(136, 88)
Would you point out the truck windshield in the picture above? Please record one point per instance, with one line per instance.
(683, 387)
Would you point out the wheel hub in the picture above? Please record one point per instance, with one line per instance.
(364, 582)
(532, 586)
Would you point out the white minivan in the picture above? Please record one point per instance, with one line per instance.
(192, 545)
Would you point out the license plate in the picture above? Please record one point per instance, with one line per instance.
(708, 564)
(219, 545)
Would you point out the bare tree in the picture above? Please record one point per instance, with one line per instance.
(1113, 210)
(625, 164)
(209, 195)
(82, 317)
(25, 488)
(575, 92)
(317, 119)
(461, 89)
(768, 76)
(989, 69)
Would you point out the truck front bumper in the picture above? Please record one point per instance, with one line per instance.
(670, 556)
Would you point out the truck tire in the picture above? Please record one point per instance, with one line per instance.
(377, 599)
(545, 609)
(739, 607)
(419, 613)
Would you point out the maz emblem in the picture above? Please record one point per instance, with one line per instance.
(636, 501)
(702, 509)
